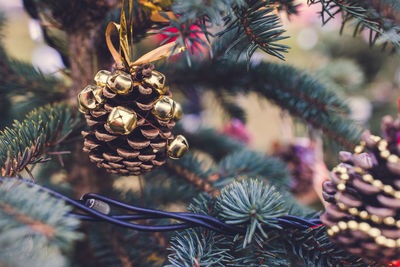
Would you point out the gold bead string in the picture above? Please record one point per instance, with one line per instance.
(363, 214)
(365, 227)
(382, 145)
(361, 147)
(373, 232)
(388, 189)
(385, 153)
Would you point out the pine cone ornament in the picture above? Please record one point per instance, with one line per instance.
(363, 216)
(130, 118)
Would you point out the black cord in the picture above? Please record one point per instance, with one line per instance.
(189, 220)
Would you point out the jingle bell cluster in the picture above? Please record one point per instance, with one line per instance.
(130, 118)
(363, 216)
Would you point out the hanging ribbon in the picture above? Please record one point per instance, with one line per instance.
(123, 56)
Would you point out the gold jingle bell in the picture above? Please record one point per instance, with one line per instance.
(122, 120)
(164, 108)
(120, 83)
(157, 81)
(102, 77)
(177, 147)
(178, 112)
(91, 97)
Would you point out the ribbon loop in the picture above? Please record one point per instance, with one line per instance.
(115, 54)
(123, 56)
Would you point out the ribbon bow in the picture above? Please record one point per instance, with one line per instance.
(123, 56)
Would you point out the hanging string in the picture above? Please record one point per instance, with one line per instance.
(125, 52)
(95, 208)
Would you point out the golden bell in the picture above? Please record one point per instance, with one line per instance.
(102, 77)
(177, 147)
(122, 120)
(164, 108)
(120, 83)
(157, 81)
(82, 109)
(90, 98)
(178, 112)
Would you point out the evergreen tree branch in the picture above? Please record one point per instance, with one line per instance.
(31, 216)
(26, 141)
(20, 77)
(189, 168)
(312, 246)
(380, 17)
(243, 163)
(250, 203)
(201, 139)
(250, 24)
(255, 206)
(256, 25)
(230, 108)
(116, 246)
(289, 88)
(251, 164)
(23, 78)
(195, 248)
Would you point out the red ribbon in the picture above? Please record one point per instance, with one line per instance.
(398, 101)
(394, 263)
(315, 226)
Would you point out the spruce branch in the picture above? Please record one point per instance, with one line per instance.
(255, 25)
(26, 141)
(32, 216)
(108, 247)
(243, 203)
(230, 108)
(313, 247)
(251, 164)
(193, 19)
(201, 139)
(186, 33)
(212, 9)
(190, 169)
(379, 17)
(250, 203)
(22, 78)
(248, 25)
(19, 78)
(299, 93)
(195, 248)
(115, 246)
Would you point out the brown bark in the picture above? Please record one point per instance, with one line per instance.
(82, 60)
(83, 174)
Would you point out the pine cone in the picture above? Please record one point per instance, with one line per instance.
(130, 117)
(364, 193)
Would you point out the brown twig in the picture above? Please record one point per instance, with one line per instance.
(30, 173)
(37, 226)
(120, 251)
(200, 183)
(141, 190)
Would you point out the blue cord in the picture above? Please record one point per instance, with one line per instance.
(189, 220)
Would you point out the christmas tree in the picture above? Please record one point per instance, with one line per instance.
(117, 159)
